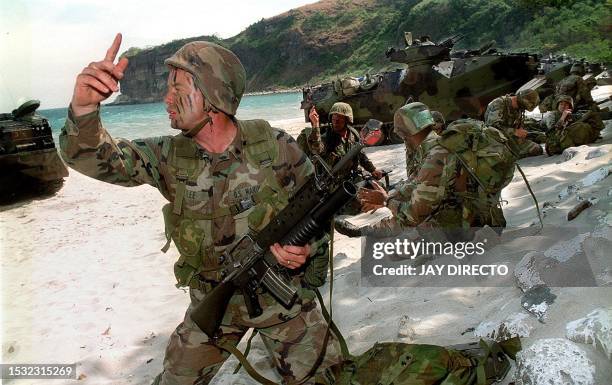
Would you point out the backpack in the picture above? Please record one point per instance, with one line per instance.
(482, 151)
(485, 155)
(396, 363)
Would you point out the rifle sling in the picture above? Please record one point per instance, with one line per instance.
(327, 315)
(247, 350)
(245, 363)
(343, 346)
(321, 356)
(532, 195)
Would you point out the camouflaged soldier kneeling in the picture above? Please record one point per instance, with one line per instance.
(460, 180)
(222, 177)
(566, 129)
(507, 114)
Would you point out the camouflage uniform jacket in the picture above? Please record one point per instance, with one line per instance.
(414, 159)
(218, 183)
(501, 115)
(435, 183)
(578, 89)
(332, 147)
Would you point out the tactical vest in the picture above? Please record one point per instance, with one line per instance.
(192, 230)
(483, 152)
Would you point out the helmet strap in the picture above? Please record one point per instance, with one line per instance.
(194, 131)
(208, 108)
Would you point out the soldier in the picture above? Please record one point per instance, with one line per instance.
(507, 113)
(576, 88)
(565, 129)
(414, 158)
(443, 193)
(336, 142)
(221, 177)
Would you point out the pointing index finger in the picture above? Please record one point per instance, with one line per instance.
(111, 53)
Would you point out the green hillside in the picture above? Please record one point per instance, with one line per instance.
(340, 37)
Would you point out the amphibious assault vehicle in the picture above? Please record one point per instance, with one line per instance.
(29, 162)
(458, 84)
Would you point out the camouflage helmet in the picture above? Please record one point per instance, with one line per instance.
(412, 118)
(528, 99)
(438, 117)
(343, 109)
(577, 68)
(564, 98)
(218, 73)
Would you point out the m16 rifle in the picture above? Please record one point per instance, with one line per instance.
(249, 265)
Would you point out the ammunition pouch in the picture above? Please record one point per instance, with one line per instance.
(188, 235)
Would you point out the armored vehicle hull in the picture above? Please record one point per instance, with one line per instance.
(458, 85)
(29, 162)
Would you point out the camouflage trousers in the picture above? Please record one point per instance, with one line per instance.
(293, 339)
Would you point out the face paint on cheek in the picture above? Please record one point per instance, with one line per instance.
(181, 105)
(190, 102)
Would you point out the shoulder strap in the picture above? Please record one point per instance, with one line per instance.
(260, 145)
(182, 155)
(262, 151)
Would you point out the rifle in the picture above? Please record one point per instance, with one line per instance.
(249, 265)
(365, 179)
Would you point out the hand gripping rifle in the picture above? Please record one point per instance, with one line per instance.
(249, 265)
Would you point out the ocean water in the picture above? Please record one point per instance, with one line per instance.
(144, 120)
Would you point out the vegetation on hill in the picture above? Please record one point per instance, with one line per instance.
(319, 41)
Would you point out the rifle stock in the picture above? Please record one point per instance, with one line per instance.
(214, 306)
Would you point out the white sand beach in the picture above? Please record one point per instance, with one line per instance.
(84, 280)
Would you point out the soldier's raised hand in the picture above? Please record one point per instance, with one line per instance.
(313, 115)
(98, 80)
(565, 114)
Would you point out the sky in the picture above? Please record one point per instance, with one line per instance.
(44, 44)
